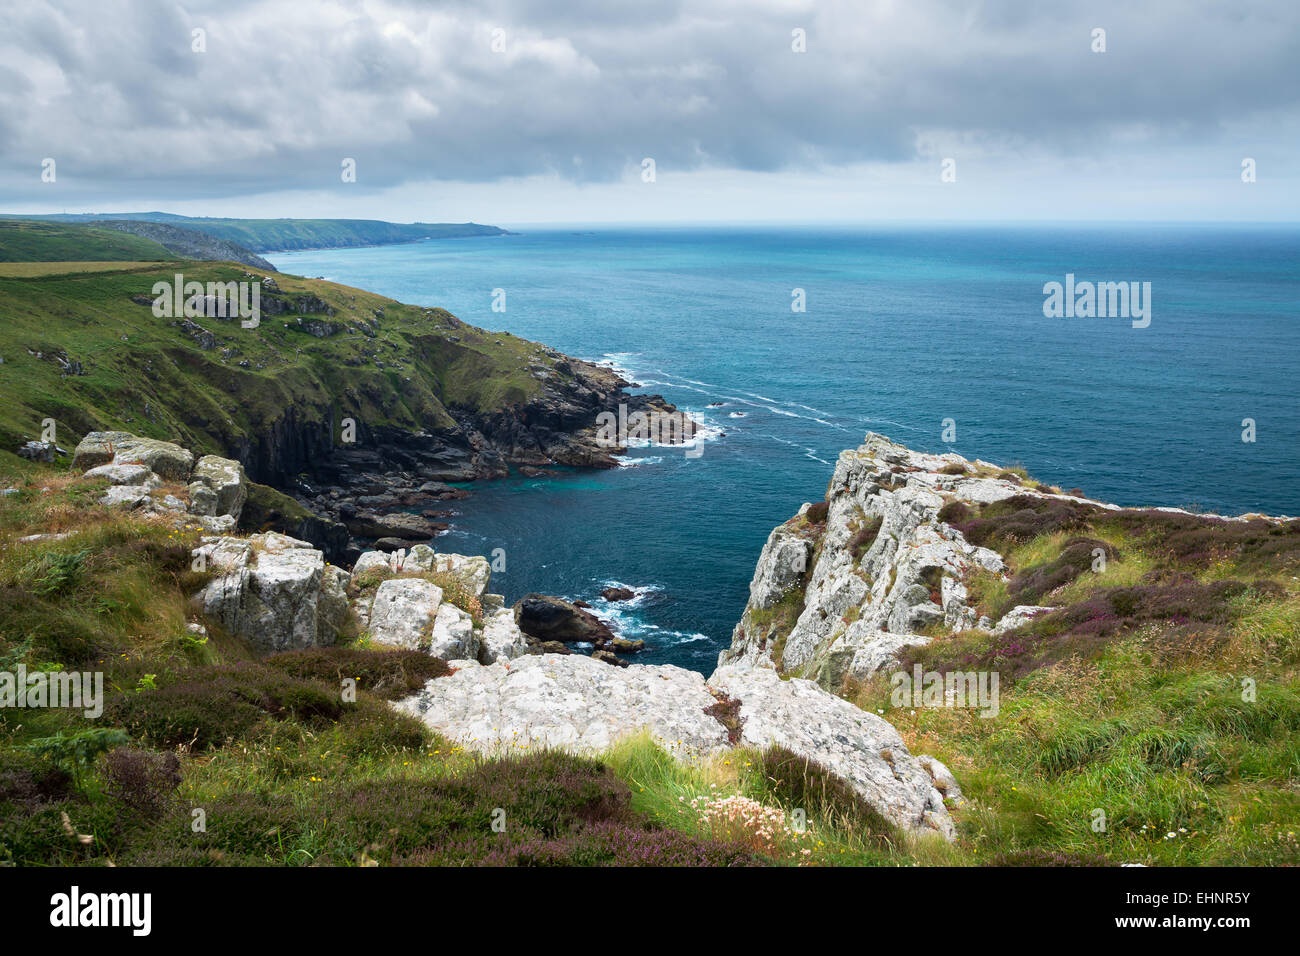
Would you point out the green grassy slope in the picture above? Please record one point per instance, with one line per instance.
(264, 235)
(1154, 718)
(387, 364)
(24, 241)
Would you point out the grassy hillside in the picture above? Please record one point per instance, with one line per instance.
(85, 349)
(268, 235)
(1164, 692)
(287, 772)
(23, 241)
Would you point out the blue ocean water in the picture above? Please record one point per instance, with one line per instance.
(904, 327)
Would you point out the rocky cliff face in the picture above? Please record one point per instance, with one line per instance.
(188, 243)
(847, 583)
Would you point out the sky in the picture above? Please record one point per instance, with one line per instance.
(526, 111)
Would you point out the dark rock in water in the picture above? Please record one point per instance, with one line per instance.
(581, 603)
(625, 646)
(617, 594)
(553, 619)
(608, 658)
(377, 501)
(547, 647)
(440, 489)
(397, 525)
(528, 471)
(390, 544)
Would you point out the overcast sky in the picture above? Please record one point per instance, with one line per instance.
(516, 111)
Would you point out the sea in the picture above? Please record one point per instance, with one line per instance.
(789, 344)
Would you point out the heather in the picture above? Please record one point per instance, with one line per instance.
(1152, 716)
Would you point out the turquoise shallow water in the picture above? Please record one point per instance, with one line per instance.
(904, 327)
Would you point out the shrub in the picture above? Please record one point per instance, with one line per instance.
(727, 712)
(864, 538)
(1184, 607)
(547, 798)
(75, 751)
(142, 781)
(955, 513)
(1021, 518)
(206, 706)
(817, 512)
(390, 674)
(1042, 857)
(600, 844)
(1076, 557)
(372, 727)
(26, 781)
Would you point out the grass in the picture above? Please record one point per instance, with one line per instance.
(263, 235)
(1170, 736)
(1153, 719)
(22, 270)
(388, 365)
(23, 241)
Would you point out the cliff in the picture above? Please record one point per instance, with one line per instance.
(268, 235)
(336, 394)
(909, 547)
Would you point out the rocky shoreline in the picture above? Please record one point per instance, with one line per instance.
(389, 488)
(513, 677)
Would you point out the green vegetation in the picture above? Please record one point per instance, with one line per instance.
(86, 350)
(24, 241)
(267, 235)
(1163, 693)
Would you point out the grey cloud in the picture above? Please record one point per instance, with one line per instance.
(586, 89)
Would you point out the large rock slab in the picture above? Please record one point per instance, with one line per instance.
(97, 448)
(580, 704)
(785, 558)
(417, 558)
(473, 571)
(218, 486)
(863, 749)
(276, 592)
(502, 640)
(453, 637)
(569, 701)
(403, 612)
(905, 578)
(169, 461)
(131, 475)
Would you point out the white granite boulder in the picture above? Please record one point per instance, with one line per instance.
(502, 638)
(276, 592)
(580, 704)
(218, 486)
(169, 461)
(403, 612)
